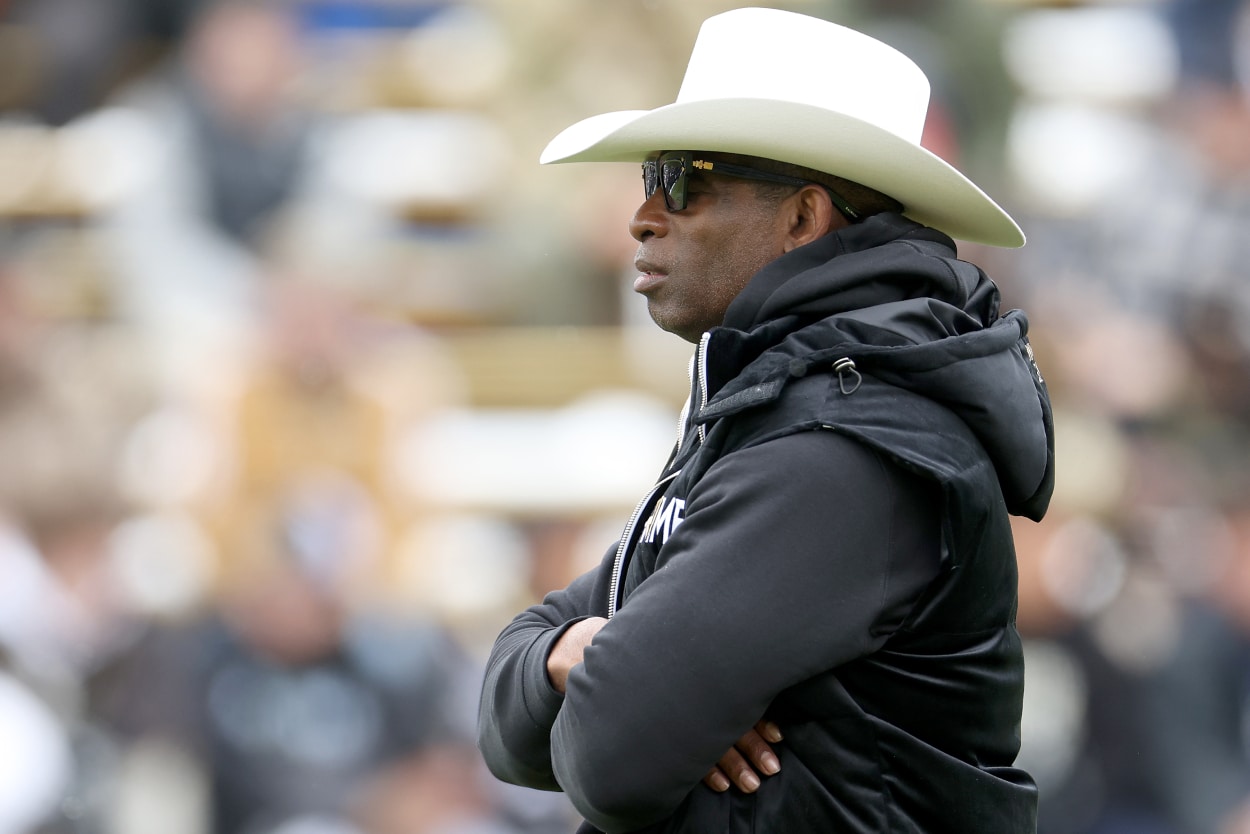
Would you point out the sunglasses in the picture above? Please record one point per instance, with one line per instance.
(670, 172)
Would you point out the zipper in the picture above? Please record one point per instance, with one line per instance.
(622, 548)
(700, 368)
(698, 383)
(697, 372)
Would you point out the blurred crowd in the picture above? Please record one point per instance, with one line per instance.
(310, 376)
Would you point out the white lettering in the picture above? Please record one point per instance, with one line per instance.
(667, 516)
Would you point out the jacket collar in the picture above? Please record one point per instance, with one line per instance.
(801, 280)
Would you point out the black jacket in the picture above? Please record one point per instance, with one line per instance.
(829, 546)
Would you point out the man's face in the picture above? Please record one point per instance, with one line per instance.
(693, 262)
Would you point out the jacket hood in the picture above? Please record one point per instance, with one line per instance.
(891, 295)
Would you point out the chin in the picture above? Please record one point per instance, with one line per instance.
(670, 318)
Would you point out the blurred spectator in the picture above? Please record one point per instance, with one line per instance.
(225, 139)
(307, 711)
(312, 421)
(1200, 700)
(63, 58)
(72, 396)
(231, 95)
(1095, 620)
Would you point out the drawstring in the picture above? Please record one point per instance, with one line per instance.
(843, 366)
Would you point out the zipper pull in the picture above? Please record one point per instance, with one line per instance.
(844, 366)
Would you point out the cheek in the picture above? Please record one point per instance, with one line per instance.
(741, 252)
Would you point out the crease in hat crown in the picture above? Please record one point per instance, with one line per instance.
(785, 86)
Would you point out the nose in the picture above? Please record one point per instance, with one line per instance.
(651, 218)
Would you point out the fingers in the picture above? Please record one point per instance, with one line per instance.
(754, 745)
(769, 731)
(717, 780)
(751, 756)
(733, 769)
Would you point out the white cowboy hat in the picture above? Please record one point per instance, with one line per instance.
(785, 86)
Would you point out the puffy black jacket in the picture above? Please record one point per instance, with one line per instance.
(829, 546)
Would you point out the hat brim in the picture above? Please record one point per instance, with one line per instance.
(932, 191)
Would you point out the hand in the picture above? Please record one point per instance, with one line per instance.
(751, 756)
(567, 652)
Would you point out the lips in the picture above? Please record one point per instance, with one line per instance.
(650, 276)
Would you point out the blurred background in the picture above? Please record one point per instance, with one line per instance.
(311, 376)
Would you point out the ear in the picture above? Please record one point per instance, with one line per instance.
(810, 214)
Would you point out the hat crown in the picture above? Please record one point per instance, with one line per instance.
(795, 58)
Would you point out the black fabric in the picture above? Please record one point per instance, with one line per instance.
(840, 562)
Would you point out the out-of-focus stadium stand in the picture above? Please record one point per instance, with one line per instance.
(310, 376)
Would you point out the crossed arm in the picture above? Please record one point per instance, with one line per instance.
(751, 757)
(776, 574)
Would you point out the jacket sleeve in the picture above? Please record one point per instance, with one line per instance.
(518, 704)
(793, 557)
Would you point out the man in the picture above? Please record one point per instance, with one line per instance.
(808, 625)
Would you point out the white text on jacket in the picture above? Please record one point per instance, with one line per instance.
(662, 523)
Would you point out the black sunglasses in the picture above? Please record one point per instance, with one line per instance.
(670, 170)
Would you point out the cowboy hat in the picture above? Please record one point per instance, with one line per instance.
(792, 88)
